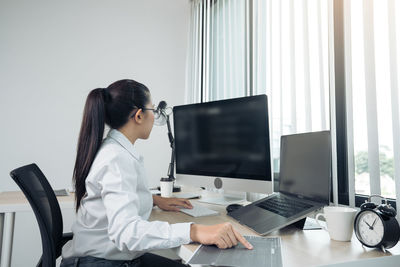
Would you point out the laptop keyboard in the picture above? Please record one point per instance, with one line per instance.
(283, 206)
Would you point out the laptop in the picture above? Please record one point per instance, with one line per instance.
(304, 184)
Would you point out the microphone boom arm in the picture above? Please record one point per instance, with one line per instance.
(171, 168)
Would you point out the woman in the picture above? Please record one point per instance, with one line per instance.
(113, 202)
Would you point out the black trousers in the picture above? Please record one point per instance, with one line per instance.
(146, 260)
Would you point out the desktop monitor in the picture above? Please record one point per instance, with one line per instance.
(224, 143)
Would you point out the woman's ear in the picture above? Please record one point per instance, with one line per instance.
(138, 116)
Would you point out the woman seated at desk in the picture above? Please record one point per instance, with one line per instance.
(113, 202)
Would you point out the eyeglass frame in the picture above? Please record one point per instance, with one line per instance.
(155, 111)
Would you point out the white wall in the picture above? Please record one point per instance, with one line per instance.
(52, 53)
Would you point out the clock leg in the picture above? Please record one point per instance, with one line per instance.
(383, 249)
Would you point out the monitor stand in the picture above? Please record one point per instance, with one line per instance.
(223, 198)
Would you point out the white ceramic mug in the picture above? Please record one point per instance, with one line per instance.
(339, 222)
(166, 188)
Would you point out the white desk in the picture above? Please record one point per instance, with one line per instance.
(299, 248)
(10, 203)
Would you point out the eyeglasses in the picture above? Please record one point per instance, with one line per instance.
(155, 111)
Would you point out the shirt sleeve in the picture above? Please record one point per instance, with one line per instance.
(125, 227)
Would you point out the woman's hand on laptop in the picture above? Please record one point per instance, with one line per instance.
(222, 235)
(171, 204)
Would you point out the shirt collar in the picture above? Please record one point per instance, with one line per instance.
(124, 142)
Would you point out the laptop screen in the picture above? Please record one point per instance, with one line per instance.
(305, 165)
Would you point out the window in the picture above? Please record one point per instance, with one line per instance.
(323, 64)
(290, 65)
(278, 48)
(371, 29)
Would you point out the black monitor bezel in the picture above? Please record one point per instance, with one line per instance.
(240, 101)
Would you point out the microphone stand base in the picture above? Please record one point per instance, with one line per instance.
(177, 188)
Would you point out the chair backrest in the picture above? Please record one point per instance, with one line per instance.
(44, 203)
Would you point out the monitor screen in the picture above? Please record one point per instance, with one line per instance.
(226, 138)
(305, 165)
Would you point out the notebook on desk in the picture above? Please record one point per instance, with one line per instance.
(304, 184)
(266, 252)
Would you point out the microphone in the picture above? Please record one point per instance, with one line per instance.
(162, 116)
(162, 106)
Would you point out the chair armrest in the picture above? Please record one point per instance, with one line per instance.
(40, 263)
(65, 238)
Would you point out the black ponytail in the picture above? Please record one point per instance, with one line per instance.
(90, 138)
(112, 106)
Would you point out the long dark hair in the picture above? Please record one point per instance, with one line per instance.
(111, 105)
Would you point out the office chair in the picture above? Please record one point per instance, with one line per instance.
(44, 203)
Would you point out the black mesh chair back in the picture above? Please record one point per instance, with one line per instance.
(44, 203)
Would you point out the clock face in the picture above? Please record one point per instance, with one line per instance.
(369, 228)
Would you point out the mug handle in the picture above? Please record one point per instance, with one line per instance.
(316, 219)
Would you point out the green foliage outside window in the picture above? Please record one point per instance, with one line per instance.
(386, 164)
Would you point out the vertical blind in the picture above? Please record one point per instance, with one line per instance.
(290, 65)
(217, 50)
(194, 56)
(278, 48)
(284, 49)
(372, 28)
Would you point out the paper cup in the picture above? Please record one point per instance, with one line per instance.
(166, 188)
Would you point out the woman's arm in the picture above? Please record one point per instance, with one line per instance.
(130, 232)
(171, 204)
(126, 228)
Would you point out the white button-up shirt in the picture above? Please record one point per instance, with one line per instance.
(112, 219)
